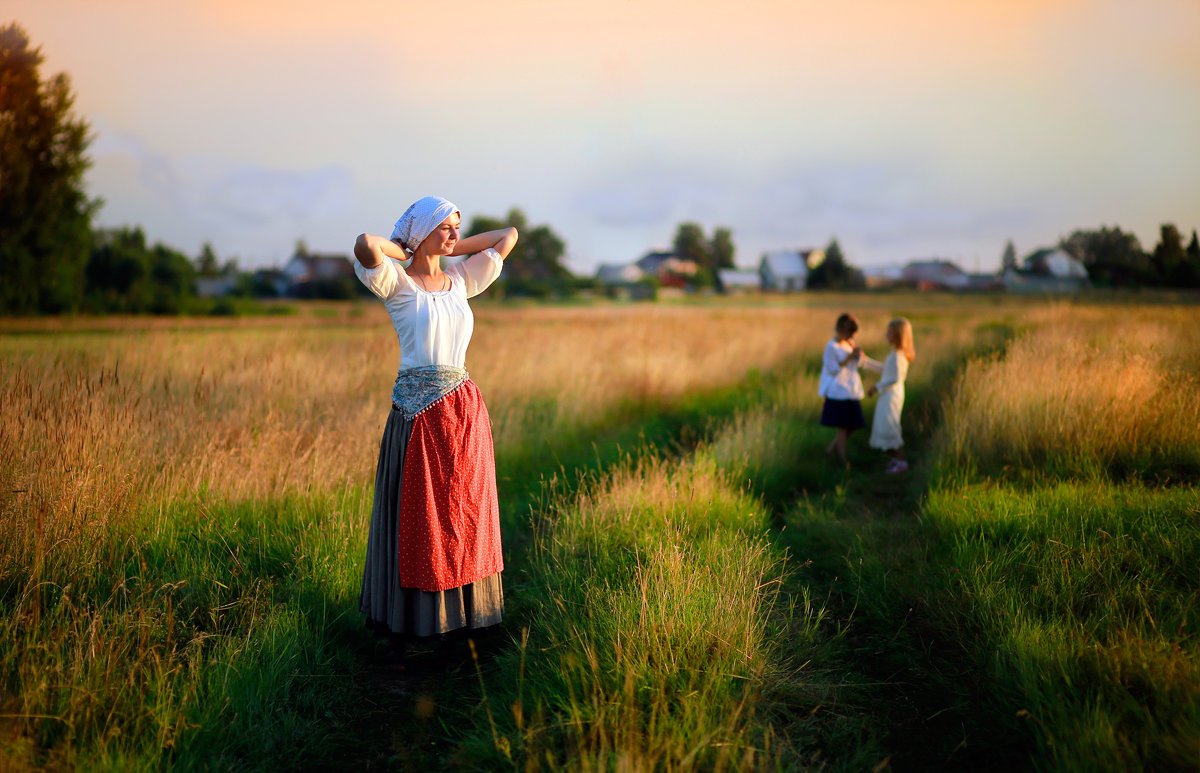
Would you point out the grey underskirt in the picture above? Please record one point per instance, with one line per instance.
(410, 611)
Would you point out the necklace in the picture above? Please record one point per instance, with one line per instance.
(425, 287)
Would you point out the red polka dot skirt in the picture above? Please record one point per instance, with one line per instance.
(449, 525)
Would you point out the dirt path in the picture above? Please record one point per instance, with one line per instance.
(909, 679)
(410, 720)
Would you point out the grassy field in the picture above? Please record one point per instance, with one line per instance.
(691, 584)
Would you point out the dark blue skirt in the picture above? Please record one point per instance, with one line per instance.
(843, 414)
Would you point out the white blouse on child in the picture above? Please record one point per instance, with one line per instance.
(839, 373)
(434, 328)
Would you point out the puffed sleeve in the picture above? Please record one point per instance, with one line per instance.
(381, 280)
(830, 362)
(478, 271)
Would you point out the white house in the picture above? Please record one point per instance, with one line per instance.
(784, 270)
(1057, 263)
(1048, 270)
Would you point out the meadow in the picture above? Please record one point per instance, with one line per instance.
(691, 584)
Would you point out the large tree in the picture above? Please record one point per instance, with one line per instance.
(1170, 259)
(537, 257)
(1112, 256)
(126, 275)
(834, 273)
(722, 248)
(45, 214)
(691, 244)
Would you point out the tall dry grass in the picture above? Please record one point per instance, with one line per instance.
(98, 426)
(1085, 391)
(129, 569)
(658, 635)
(656, 632)
(174, 496)
(1077, 578)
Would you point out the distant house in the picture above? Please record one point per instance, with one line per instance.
(785, 270)
(934, 274)
(324, 275)
(732, 280)
(618, 274)
(670, 269)
(1056, 263)
(652, 261)
(1048, 270)
(313, 266)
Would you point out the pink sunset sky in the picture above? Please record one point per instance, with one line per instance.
(906, 129)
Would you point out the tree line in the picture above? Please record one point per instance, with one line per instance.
(1115, 258)
(52, 260)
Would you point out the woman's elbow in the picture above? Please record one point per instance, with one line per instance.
(507, 241)
(362, 250)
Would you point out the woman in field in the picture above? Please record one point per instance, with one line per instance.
(433, 551)
(841, 386)
(885, 427)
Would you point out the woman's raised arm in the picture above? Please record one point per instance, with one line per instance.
(502, 240)
(370, 250)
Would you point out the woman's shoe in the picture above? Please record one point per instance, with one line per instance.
(896, 467)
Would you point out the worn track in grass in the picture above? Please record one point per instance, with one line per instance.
(410, 720)
(862, 545)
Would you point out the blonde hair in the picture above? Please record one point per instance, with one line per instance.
(900, 333)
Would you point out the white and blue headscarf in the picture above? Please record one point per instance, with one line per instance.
(419, 220)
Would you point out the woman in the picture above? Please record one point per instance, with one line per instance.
(433, 552)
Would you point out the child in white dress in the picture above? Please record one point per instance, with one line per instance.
(885, 428)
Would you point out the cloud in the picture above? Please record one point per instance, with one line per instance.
(649, 193)
(229, 195)
(884, 210)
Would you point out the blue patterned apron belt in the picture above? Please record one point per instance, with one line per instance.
(418, 388)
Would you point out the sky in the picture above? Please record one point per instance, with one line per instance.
(916, 129)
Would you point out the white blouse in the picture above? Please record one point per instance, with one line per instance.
(434, 328)
(839, 373)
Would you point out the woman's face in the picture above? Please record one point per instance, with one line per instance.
(442, 240)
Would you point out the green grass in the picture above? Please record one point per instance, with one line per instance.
(1084, 595)
(725, 598)
(216, 638)
(226, 634)
(653, 631)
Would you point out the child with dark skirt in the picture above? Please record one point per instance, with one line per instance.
(841, 386)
